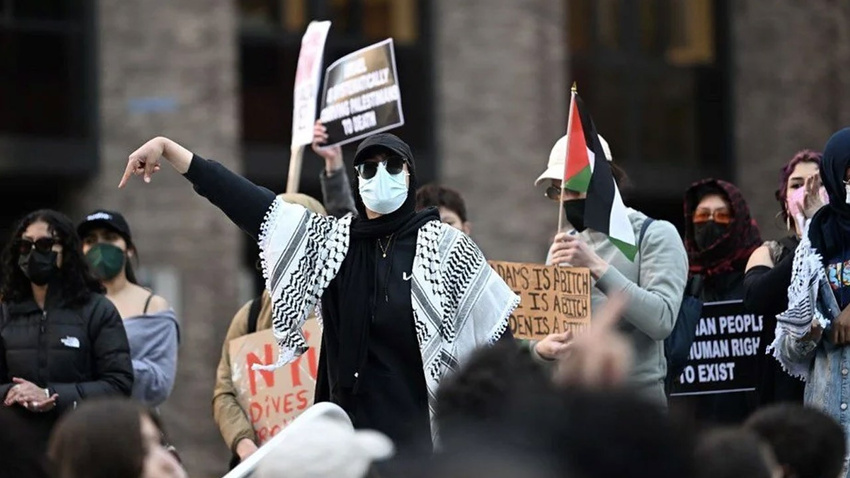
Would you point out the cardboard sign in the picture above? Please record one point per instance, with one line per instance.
(361, 96)
(307, 77)
(553, 299)
(272, 399)
(724, 355)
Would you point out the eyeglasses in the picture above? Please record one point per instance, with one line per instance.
(393, 164)
(44, 244)
(720, 216)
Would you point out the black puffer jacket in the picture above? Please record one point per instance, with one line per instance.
(77, 352)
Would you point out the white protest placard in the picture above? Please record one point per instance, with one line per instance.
(307, 77)
(361, 96)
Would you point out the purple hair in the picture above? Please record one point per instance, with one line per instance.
(804, 156)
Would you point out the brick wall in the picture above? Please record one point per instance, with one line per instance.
(502, 98)
(790, 80)
(170, 68)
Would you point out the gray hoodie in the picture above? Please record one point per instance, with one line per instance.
(654, 283)
(153, 348)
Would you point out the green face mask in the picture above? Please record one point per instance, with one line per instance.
(106, 260)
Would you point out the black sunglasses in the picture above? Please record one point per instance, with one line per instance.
(44, 244)
(553, 193)
(368, 170)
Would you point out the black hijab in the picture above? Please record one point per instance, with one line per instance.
(830, 227)
(358, 275)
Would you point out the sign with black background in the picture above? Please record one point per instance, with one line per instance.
(724, 355)
(361, 96)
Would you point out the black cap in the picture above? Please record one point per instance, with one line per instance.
(385, 141)
(108, 219)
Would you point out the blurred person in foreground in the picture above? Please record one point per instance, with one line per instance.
(735, 453)
(653, 282)
(813, 333)
(806, 442)
(448, 202)
(404, 298)
(720, 236)
(110, 438)
(768, 276)
(61, 341)
(151, 325)
(232, 420)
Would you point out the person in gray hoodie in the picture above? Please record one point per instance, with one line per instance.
(653, 283)
(151, 325)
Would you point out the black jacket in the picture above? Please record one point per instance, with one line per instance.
(77, 352)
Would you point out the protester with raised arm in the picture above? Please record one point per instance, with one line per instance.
(404, 298)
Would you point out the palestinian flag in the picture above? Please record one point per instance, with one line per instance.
(587, 170)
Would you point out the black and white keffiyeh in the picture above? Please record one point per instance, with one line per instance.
(459, 302)
(808, 281)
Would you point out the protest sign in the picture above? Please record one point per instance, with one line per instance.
(307, 78)
(361, 96)
(553, 299)
(304, 96)
(272, 399)
(724, 355)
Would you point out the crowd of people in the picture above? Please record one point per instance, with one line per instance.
(419, 373)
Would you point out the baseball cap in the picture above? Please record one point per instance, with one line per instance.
(322, 442)
(386, 141)
(107, 219)
(555, 168)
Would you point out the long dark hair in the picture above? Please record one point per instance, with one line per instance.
(77, 281)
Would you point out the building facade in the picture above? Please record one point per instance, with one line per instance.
(681, 90)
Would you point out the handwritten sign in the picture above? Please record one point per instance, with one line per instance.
(724, 355)
(307, 77)
(553, 299)
(272, 399)
(361, 95)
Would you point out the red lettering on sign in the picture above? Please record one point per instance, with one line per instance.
(268, 375)
(256, 412)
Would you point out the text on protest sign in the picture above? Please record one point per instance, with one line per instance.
(307, 77)
(272, 399)
(553, 299)
(361, 96)
(725, 353)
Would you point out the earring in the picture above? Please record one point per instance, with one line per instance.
(788, 222)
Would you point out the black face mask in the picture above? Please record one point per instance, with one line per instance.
(39, 267)
(574, 210)
(708, 233)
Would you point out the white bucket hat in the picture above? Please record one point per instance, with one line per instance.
(322, 442)
(555, 168)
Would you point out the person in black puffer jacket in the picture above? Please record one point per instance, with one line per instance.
(61, 341)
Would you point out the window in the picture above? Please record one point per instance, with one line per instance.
(648, 70)
(42, 69)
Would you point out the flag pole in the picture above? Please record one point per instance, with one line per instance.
(573, 91)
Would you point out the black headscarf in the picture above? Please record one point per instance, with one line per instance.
(830, 226)
(358, 280)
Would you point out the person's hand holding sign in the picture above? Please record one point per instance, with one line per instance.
(600, 357)
(331, 154)
(554, 346)
(569, 249)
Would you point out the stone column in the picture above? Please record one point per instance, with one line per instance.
(502, 97)
(790, 83)
(170, 68)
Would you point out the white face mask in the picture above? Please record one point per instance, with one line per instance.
(385, 192)
(847, 193)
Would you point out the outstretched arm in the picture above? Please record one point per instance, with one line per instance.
(242, 201)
